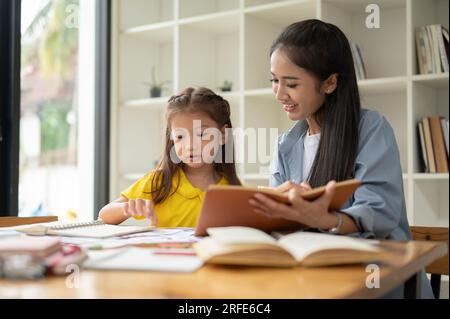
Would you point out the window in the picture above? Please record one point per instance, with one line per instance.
(57, 109)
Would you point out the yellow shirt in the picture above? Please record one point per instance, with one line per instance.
(180, 209)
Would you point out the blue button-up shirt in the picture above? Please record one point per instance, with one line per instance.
(378, 205)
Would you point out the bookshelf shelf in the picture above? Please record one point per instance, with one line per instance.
(213, 42)
(283, 11)
(134, 13)
(160, 32)
(369, 86)
(438, 81)
(266, 4)
(157, 103)
(428, 176)
(138, 55)
(204, 42)
(259, 92)
(198, 8)
(358, 6)
(431, 202)
(216, 23)
(383, 85)
(350, 17)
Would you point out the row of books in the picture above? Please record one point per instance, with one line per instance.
(360, 67)
(432, 49)
(433, 137)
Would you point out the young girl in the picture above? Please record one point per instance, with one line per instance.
(314, 80)
(193, 159)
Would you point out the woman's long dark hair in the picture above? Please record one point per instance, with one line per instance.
(322, 49)
(194, 100)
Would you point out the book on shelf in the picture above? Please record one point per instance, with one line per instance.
(429, 145)
(360, 67)
(442, 47)
(444, 125)
(437, 137)
(423, 148)
(433, 139)
(253, 247)
(432, 49)
(420, 51)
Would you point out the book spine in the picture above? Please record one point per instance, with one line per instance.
(436, 54)
(363, 65)
(420, 48)
(430, 52)
(438, 145)
(443, 54)
(446, 44)
(445, 33)
(355, 60)
(428, 144)
(360, 68)
(444, 128)
(423, 148)
(427, 66)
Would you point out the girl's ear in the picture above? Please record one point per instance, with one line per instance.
(224, 138)
(330, 84)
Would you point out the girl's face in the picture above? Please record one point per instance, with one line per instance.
(299, 92)
(196, 138)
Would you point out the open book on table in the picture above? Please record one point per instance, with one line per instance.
(249, 246)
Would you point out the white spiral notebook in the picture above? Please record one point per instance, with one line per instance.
(94, 229)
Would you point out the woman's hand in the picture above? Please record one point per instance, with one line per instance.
(286, 186)
(310, 213)
(140, 208)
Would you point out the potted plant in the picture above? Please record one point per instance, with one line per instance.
(155, 87)
(226, 86)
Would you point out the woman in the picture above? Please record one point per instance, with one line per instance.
(313, 77)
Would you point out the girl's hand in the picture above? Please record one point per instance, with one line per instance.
(140, 208)
(310, 213)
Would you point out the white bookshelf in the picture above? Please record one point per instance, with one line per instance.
(204, 42)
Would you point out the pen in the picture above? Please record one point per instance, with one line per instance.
(186, 252)
(164, 245)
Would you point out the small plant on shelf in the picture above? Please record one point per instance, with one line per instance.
(227, 86)
(156, 88)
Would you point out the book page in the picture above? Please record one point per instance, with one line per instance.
(302, 244)
(240, 235)
(131, 221)
(132, 258)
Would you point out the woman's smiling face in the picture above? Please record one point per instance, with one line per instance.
(296, 89)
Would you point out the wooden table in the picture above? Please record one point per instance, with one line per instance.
(214, 281)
